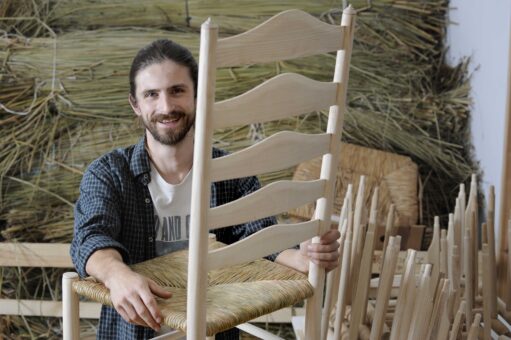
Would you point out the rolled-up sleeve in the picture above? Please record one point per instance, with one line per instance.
(97, 219)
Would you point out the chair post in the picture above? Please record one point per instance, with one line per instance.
(201, 185)
(70, 308)
(329, 165)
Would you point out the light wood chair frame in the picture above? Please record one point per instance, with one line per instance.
(290, 34)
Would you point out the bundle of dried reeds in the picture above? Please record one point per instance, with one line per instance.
(64, 15)
(64, 95)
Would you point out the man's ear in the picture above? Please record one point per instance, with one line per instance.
(134, 104)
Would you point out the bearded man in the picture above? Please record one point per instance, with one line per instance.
(135, 202)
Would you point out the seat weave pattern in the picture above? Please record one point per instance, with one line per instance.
(235, 295)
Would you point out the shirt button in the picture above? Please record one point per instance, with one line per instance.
(150, 239)
(147, 200)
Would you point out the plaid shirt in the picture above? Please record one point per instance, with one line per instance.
(115, 210)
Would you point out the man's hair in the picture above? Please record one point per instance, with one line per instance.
(159, 51)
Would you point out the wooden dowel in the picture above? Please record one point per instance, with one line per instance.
(409, 309)
(457, 321)
(439, 309)
(344, 279)
(390, 230)
(382, 299)
(468, 257)
(444, 319)
(373, 220)
(404, 292)
(359, 304)
(474, 328)
(450, 245)
(357, 239)
(471, 214)
(456, 270)
(433, 256)
(486, 291)
(332, 284)
(70, 310)
(491, 251)
(462, 199)
(370, 318)
(420, 318)
(443, 252)
(458, 235)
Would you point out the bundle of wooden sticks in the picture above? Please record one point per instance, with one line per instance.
(448, 292)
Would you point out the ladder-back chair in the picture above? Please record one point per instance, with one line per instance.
(205, 304)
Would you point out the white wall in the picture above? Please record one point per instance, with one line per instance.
(481, 31)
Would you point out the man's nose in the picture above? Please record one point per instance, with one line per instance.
(166, 104)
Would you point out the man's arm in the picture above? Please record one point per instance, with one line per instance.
(131, 293)
(325, 253)
(95, 250)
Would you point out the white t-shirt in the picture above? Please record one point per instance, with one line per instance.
(172, 212)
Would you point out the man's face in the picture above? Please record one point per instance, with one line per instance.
(165, 101)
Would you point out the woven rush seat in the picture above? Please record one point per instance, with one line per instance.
(235, 294)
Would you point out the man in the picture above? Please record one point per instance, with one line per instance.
(134, 203)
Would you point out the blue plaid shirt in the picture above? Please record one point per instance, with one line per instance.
(115, 210)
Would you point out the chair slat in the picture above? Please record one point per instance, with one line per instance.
(290, 34)
(271, 200)
(263, 243)
(35, 255)
(279, 152)
(280, 97)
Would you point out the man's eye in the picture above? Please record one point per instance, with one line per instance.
(178, 90)
(151, 94)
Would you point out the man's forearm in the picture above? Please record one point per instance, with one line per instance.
(105, 263)
(294, 259)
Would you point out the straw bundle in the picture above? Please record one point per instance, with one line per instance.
(64, 15)
(74, 87)
(394, 175)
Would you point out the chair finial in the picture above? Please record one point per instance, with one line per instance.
(209, 23)
(349, 10)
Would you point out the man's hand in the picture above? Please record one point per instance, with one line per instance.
(326, 252)
(133, 297)
(132, 294)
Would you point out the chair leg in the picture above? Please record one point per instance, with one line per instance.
(70, 308)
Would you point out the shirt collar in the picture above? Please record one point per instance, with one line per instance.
(140, 162)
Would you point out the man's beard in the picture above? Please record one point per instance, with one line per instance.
(173, 136)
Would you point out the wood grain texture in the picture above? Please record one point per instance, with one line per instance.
(272, 199)
(262, 243)
(290, 34)
(280, 97)
(54, 255)
(201, 185)
(279, 152)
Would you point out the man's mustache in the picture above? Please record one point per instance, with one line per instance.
(168, 116)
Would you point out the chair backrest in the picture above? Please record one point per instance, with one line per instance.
(290, 34)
